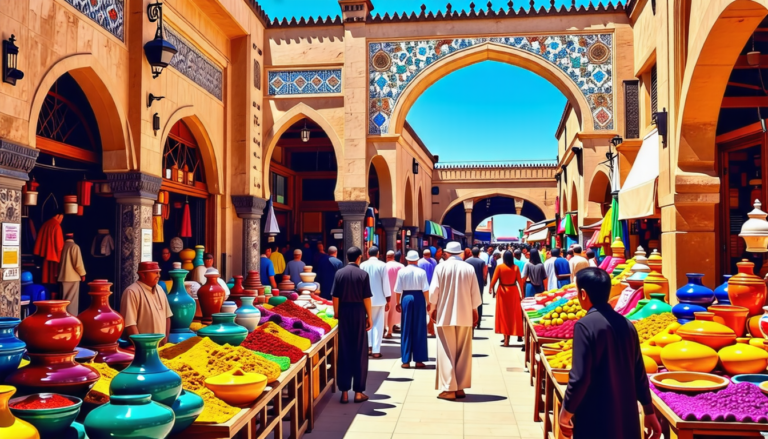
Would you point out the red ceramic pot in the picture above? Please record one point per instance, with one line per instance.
(54, 373)
(101, 324)
(236, 292)
(51, 329)
(113, 356)
(211, 297)
(747, 290)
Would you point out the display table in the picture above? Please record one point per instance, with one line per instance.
(539, 374)
(320, 370)
(676, 428)
(258, 420)
(554, 393)
(530, 341)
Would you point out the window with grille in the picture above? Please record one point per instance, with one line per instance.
(654, 91)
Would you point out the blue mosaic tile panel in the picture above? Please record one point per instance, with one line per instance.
(193, 64)
(106, 13)
(586, 59)
(304, 82)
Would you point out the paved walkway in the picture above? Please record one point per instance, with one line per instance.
(403, 402)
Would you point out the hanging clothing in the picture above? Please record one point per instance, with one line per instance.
(103, 245)
(411, 283)
(351, 286)
(49, 244)
(509, 316)
(186, 223)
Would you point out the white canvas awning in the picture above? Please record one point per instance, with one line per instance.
(637, 199)
(539, 235)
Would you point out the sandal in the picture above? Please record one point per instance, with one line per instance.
(460, 394)
(448, 396)
(421, 366)
(406, 365)
(344, 398)
(376, 355)
(361, 399)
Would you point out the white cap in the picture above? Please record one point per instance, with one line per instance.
(426, 250)
(412, 256)
(390, 253)
(454, 248)
(297, 252)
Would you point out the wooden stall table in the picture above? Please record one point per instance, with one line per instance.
(530, 341)
(554, 394)
(257, 421)
(676, 428)
(320, 370)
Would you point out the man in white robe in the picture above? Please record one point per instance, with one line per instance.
(379, 279)
(455, 295)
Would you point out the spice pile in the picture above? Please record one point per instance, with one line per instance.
(652, 325)
(36, 403)
(267, 343)
(283, 362)
(272, 328)
(742, 402)
(289, 309)
(295, 327)
(99, 394)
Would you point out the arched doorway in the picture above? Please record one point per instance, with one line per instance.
(410, 220)
(486, 207)
(600, 192)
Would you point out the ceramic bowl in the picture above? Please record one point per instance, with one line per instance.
(712, 334)
(237, 387)
(764, 387)
(307, 277)
(699, 382)
(732, 316)
(743, 359)
(752, 378)
(49, 422)
(689, 356)
(307, 286)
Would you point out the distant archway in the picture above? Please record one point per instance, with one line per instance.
(385, 189)
(600, 190)
(487, 206)
(420, 207)
(408, 206)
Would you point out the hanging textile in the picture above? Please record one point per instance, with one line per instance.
(604, 235)
(157, 229)
(186, 223)
(84, 192)
(570, 228)
(616, 229)
(50, 242)
(561, 226)
(103, 245)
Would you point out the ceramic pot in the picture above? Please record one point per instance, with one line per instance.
(307, 277)
(685, 311)
(237, 291)
(248, 315)
(734, 317)
(286, 284)
(253, 282)
(11, 348)
(224, 330)
(651, 352)
(101, 324)
(147, 374)
(57, 373)
(51, 328)
(187, 408)
(743, 359)
(129, 417)
(656, 305)
(695, 292)
(186, 257)
(228, 307)
(183, 308)
(753, 326)
(721, 292)
(237, 387)
(655, 261)
(112, 356)
(199, 252)
(211, 297)
(49, 422)
(747, 290)
(689, 356)
(656, 283)
(705, 331)
(763, 322)
(84, 356)
(10, 427)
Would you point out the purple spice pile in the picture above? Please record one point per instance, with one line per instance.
(743, 402)
(296, 327)
(265, 314)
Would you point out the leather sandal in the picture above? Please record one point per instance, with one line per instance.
(406, 365)
(361, 399)
(376, 355)
(421, 366)
(448, 396)
(460, 394)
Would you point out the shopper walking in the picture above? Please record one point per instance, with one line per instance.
(377, 275)
(578, 262)
(428, 264)
(295, 267)
(411, 297)
(535, 275)
(481, 271)
(509, 321)
(326, 271)
(392, 317)
(562, 269)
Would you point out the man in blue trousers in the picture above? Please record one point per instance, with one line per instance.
(412, 291)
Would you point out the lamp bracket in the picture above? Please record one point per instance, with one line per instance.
(151, 98)
(155, 14)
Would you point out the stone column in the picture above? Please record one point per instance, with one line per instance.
(250, 208)
(15, 163)
(353, 213)
(468, 206)
(391, 228)
(135, 193)
(519, 205)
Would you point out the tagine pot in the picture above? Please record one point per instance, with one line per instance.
(248, 315)
(51, 328)
(147, 374)
(129, 417)
(734, 317)
(747, 290)
(54, 373)
(11, 348)
(186, 257)
(211, 297)
(721, 292)
(224, 330)
(187, 408)
(10, 426)
(704, 330)
(183, 307)
(101, 324)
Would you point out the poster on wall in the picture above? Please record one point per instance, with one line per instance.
(11, 256)
(11, 274)
(11, 234)
(146, 245)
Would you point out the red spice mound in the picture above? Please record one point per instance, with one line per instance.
(37, 403)
(289, 309)
(267, 343)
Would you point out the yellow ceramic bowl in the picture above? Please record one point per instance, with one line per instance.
(689, 356)
(689, 382)
(652, 352)
(743, 359)
(237, 387)
(650, 365)
(712, 334)
(764, 387)
(664, 338)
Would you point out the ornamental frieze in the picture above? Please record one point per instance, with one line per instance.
(190, 62)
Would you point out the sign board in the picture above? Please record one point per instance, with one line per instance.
(11, 273)
(11, 234)
(11, 256)
(146, 245)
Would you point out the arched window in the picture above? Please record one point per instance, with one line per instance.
(182, 164)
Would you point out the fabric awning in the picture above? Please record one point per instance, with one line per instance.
(637, 199)
(539, 235)
(434, 229)
(595, 226)
(456, 233)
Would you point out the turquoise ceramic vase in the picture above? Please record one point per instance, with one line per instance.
(224, 330)
(11, 348)
(186, 408)
(199, 251)
(147, 374)
(129, 417)
(247, 315)
(183, 308)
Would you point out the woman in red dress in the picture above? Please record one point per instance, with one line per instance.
(509, 317)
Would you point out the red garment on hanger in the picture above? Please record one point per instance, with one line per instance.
(84, 192)
(186, 223)
(49, 243)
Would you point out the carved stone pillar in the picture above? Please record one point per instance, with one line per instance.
(519, 205)
(135, 194)
(391, 228)
(250, 209)
(15, 163)
(353, 213)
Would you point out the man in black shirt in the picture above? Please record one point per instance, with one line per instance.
(607, 377)
(481, 271)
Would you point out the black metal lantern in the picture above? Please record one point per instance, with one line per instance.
(415, 167)
(660, 120)
(305, 133)
(159, 52)
(11, 72)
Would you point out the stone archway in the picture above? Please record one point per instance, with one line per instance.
(488, 193)
(386, 189)
(599, 193)
(420, 207)
(207, 152)
(409, 219)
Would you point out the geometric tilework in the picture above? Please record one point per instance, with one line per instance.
(193, 64)
(586, 59)
(106, 13)
(304, 82)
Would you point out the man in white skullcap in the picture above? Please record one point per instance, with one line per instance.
(412, 294)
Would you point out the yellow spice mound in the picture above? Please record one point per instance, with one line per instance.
(652, 325)
(107, 373)
(330, 320)
(293, 339)
(216, 411)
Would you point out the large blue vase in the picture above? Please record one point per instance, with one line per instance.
(721, 292)
(129, 417)
(11, 348)
(692, 297)
(147, 374)
(183, 308)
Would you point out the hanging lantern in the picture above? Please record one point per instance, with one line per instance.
(271, 229)
(158, 51)
(305, 133)
(70, 204)
(755, 230)
(11, 72)
(29, 192)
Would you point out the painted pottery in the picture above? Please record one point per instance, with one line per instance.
(753, 326)
(11, 348)
(752, 378)
(651, 352)
(734, 317)
(129, 417)
(747, 290)
(237, 387)
(147, 374)
(650, 364)
(253, 282)
(187, 408)
(763, 322)
(211, 297)
(186, 256)
(220, 281)
(286, 284)
(49, 422)
(655, 283)
(721, 292)
(685, 311)
(183, 308)
(199, 252)
(654, 261)
(224, 330)
(248, 315)
(228, 307)
(689, 356)
(58, 373)
(10, 427)
(237, 291)
(51, 328)
(695, 292)
(307, 277)
(664, 338)
(113, 356)
(743, 359)
(307, 269)
(101, 324)
(192, 288)
(707, 332)
(656, 305)
(689, 382)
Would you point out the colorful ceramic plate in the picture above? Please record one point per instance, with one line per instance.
(689, 382)
(764, 387)
(752, 378)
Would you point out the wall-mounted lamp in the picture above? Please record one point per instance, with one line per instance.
(305, 133)
(11, 72)
(152, 98)
(156, 123)
(415, 167)
(660, 120)
(577, 150)
(159, 52)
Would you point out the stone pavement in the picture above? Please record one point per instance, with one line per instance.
(403, 402)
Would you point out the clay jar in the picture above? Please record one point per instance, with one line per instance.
(11, 348)
(54, 373)
(286, 284)
(656, 283)
(211, 297)
(253, 282)
(721, 292)
(747, 290)
(183, 307)
(51, 328)
(238, 291)
(734, 317)
(186, 256)
(101, 324)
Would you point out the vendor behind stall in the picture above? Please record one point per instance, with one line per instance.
(144, 305)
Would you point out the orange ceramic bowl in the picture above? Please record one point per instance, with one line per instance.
(753, 326)
(732, 316)
(712, 334)
(236, 387)
(743, 359)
